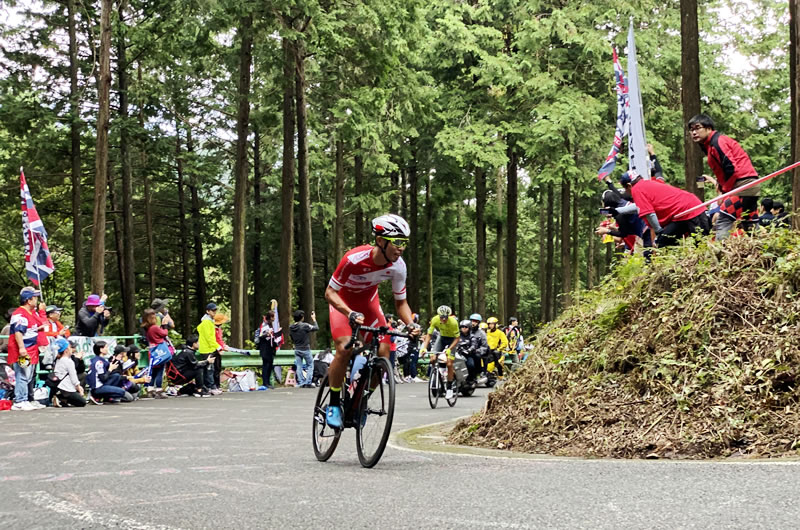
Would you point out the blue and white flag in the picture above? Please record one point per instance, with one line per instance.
(38, 262)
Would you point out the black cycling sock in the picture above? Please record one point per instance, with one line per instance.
(335, 396)
(449, 384)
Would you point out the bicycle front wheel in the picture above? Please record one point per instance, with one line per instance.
(325, 438)
(375, 412)
(434, 386)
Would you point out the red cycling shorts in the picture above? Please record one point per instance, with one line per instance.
(369, 306)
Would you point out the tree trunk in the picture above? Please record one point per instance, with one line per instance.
(576, 223)
(101, 153)
(306, 253)
(75, 156)
(197, 237)
(591, 240)
(287, 187)
(258, 281)
(358, 172)
(550, 280)
(500, 249)
(511, 232)
(412, 254)
(129, 265)
(117, 231)
(566, 272)
(186, 309)
(794, 62)
(239, 277)
(480, 238)
(429, 241)
(690, 92)
(394, 182)
(541, 261)
(338, 222)
(148, 206)
(461, 309)
(403, 194)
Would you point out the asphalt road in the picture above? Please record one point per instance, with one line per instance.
(245, 461)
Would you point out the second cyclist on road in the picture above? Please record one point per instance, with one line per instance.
(447, 325)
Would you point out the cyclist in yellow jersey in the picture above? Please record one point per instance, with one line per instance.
(498, 343)
(447, 325)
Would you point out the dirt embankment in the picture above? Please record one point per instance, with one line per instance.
(694, 356)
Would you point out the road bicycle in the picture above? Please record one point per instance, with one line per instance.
(367, 401)
(437, 383)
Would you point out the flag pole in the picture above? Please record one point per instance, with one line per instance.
(736, 191)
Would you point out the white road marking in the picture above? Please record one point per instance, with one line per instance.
(79, 513)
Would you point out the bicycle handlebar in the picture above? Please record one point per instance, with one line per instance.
(382, 330)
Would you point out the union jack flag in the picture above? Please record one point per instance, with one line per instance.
(38, 262)
(622, 118)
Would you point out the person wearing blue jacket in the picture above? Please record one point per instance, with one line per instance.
(102, 382)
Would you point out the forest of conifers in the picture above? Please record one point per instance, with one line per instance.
(233, 150)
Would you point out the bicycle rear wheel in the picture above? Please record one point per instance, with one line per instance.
(434, 386)
(325, 438)
(375, 412)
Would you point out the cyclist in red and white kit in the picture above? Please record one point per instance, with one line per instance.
(353, 297)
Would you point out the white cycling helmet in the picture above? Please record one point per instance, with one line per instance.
(444, 311)
(390, 225)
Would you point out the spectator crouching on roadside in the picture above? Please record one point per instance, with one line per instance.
(191, 372)
(80, 364)
(126, 368)
(25, 337)
(93, 317)
(103, 383)
(69, 390)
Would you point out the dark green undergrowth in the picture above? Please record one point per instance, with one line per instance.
(693, 356)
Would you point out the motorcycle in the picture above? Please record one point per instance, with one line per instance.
(466, 385)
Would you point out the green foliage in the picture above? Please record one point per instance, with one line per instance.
(439, 88)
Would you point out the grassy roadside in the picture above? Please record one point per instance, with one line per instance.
(694, 356)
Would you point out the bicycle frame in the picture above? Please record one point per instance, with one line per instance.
(370, 352)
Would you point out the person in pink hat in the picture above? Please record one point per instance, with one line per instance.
(93, 317)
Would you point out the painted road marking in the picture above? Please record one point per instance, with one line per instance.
(79, 513)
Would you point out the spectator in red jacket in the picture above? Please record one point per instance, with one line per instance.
(733, 169)
(53, 326)
(659, 204)
(25, 337)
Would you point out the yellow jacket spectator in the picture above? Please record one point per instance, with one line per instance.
(206, 331)
(496, 338)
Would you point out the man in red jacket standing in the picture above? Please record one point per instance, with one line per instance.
(24, 340)
(733, 169)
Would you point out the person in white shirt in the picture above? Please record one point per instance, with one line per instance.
(69, 388)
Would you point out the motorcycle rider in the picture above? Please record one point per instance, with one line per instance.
(478, 346)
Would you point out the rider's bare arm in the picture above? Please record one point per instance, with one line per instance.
(335, 300)
(403, 311)
(454, 344)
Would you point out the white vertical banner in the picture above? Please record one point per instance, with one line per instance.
(638, 158)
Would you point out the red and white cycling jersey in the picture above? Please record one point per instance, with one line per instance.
(358, 275)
